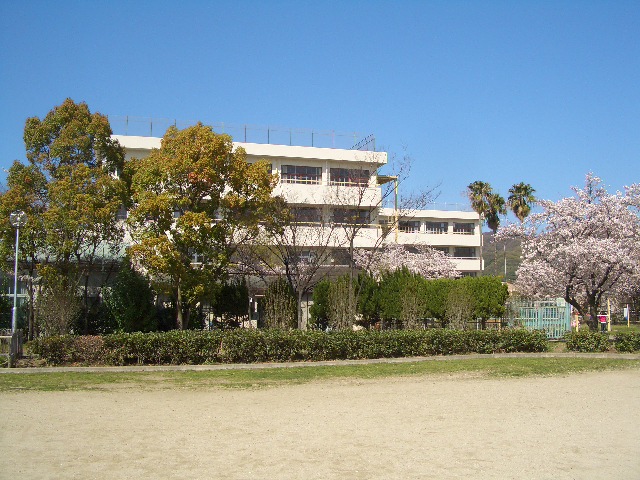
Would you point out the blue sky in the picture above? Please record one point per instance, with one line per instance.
(499, 91)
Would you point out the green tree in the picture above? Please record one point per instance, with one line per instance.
(280, 305)
(402, 298)
(341, 300)
(27, 192)
(195, 199)
(521, 199)
(460, 304)
(130, 300)
(368, 299)
(6, 306)
(478, 194)
(475, 298)
(489, 297)
(436, 294)
(319, 311)
(231, 303)
(71, 194)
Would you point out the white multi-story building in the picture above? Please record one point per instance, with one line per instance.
(331, 185)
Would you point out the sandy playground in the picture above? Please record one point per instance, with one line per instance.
(583, 426)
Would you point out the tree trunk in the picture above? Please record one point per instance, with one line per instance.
(186, 318)
(495, 255)
(179, 318)
(594, 323)
(302, 325)
(85, 321)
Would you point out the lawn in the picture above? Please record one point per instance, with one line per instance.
(274, 377)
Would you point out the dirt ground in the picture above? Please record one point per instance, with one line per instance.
(584, 426)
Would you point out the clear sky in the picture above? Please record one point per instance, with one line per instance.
(498, 91)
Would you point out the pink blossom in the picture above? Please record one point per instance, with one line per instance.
(583, 248)
(420, 259)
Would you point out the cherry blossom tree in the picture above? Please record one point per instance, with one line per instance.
(300, 253)
(421, 259)
(584, 248)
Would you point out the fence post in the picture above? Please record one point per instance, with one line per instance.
(15, 348)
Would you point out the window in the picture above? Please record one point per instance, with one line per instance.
(122, 213)
(351, 216)
(306, 215)
(307, 256)
(463, 228)
(409, 227)
(444, 250)
(386, 224)
(436, 227)
(464, 252)
(301, 174)
(197, 258)
(340, 257)
(349, 177)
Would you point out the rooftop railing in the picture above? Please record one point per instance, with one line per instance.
(156, 127)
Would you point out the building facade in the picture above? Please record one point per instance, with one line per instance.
(340, 186)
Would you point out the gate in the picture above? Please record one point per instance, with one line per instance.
(553, 315)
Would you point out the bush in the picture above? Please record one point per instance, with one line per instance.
(627, 342)
(129, 301)
(587, 341)
(248, 346)
(68, 349)
(281, 310)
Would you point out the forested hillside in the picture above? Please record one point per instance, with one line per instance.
(497, 255)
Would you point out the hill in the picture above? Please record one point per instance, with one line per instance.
(496, 253)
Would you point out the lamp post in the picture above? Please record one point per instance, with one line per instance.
(17, 219)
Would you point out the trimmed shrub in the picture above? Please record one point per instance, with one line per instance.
(247, 346)
(521, 340)
(587, 341)
(627, 342)
(69, 349)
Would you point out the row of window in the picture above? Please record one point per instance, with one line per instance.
(362, 217)
(459, 252)
(338, 215)
(313, 175)
(313, 215)
(340, 257)
(436, 227)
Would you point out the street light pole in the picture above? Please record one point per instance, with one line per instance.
(17, 219)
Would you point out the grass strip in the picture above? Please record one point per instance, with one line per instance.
(276, 377)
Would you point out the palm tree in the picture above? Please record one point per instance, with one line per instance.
(497, 207)
(478, 193)
(520, 200)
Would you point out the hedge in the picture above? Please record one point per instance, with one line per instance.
(627, 342)
(588, 341)
(250, 346)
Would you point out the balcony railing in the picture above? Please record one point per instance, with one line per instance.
(288, 178)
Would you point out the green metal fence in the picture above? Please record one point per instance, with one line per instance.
(551, 315)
